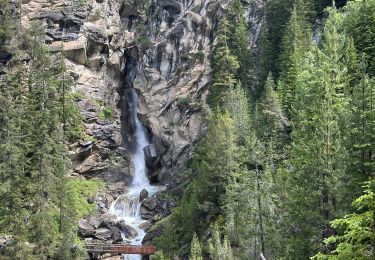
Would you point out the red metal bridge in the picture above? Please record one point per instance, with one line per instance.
(97, 249)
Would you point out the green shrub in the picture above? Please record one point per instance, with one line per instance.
(106, 113)
(183, 101)
(144, 42)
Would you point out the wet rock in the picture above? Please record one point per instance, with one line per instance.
(155, 207)
(152, 156)
(148, 207)
(109, 199)
(146, 225)
(85, 229)
(103, 233)
(143, 195)
(129, 232)
(150, 203)
(116, 234)
(146, 213)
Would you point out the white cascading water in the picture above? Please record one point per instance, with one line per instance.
(127, 206)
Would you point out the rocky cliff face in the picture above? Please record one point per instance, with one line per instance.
(162, 49)
(172, 74)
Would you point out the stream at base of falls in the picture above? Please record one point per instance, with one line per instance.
(127, 206)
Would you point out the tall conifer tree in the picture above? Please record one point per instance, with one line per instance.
(225, 66)
(318, 157)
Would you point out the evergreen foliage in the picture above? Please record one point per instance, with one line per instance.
(195, 249)
(6, 24)
(295, 43)
(37, 207)
(359, 23)
(275, 172)
(356, 231)
(299, 153)
(238, 41)
(225, 66)
(219, 248)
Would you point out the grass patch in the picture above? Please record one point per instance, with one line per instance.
(81, 191)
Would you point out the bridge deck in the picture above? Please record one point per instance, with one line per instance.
(120, 249)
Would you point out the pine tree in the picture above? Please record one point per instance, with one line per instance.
(6, 24)
(36, 147)
(238, 41)
(225, 66)
(195, 249)
(356, 237)
(15, 194)
(295, 43)
(218, 248)
(359, 22)
(316, 171)
(271, 122)
(277, 15)
(237, 105)
(218, 163)
(362, 138)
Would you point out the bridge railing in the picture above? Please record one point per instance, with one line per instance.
(121, 249)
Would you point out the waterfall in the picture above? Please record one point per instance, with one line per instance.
(127, 206)
(140, 136)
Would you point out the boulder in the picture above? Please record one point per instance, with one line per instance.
(156, 207)
(143, 195)
(116, 234)
(128, 231)
(92, 164)
(86, 143)
(146, 225)
(95, 222)
(95, 62)
(150, 203)
(103, 233)
(84, 152)
(146, 213)
(85, 229)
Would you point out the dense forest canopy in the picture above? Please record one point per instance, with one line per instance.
(282, 162)
(286, 167)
